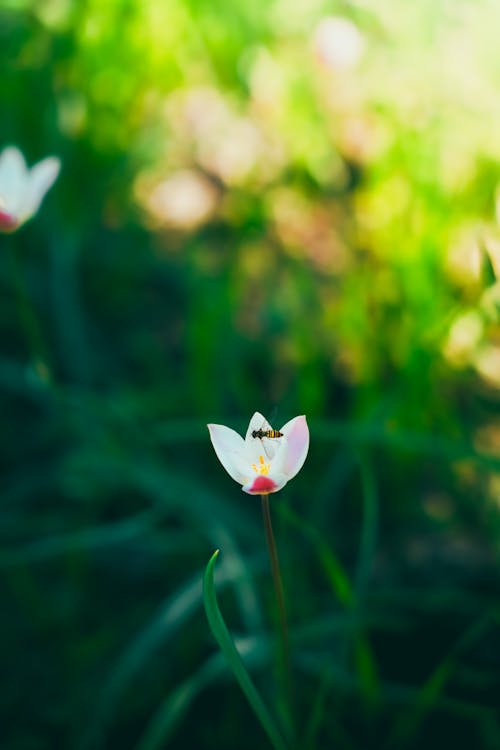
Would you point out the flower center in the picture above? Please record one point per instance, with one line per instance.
(263, 468)
(7, 222)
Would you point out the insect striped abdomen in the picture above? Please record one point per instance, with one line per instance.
(266, 434)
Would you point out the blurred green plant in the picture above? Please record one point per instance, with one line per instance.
(233, 658)
(261, 203)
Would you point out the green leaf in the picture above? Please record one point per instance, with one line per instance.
(488, 274)
(226, 645)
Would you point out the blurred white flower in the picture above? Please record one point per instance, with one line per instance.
(22, 189)
(464, 338)
(262, 464)
(338, 43)
(487, 364)
(183, 200)
(231, 145)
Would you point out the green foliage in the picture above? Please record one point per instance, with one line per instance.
(251, 217)
(233, 658)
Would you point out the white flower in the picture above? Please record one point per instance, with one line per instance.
(22, 189)
(338, 43)
(262, 465)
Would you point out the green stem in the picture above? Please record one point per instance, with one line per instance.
(280, 599)
(28, 318)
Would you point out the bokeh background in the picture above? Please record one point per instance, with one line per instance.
(288, 206)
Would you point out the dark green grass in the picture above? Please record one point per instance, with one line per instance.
(325, 287)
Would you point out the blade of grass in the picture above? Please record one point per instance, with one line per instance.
(347, 596)
(332, 567)
(175, 612)
(408, 724)
(176, 705)
(174, 708)
(104, 535)
(363, 653)
(369, 527)
(233, 658)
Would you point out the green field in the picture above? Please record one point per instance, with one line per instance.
(289, 207)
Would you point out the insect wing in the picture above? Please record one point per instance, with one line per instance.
(258, 423)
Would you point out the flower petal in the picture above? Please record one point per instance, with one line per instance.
(257, 422)
(8, 222)
(230, 450)
(13, 180)
(264, 484)
(41, 178)
(296, 432)
(260, 446)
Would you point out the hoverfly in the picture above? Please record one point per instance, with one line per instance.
(266, 434)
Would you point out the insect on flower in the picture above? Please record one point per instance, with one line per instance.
(266, 434)
(266, 459)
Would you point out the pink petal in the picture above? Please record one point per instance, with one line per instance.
(263, 484)
(297, 435)
(8, 223)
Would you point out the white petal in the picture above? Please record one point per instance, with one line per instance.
(256, 447)
(41, 178)
(258, 422)
(230, 450)
(13, 180)
(270, 447)
(296, 432)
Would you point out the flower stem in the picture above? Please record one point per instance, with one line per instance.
(28, 319)
(280, 599)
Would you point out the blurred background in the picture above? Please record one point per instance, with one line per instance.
(288, 206)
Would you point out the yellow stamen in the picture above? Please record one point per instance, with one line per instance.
(263, 468)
